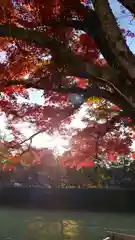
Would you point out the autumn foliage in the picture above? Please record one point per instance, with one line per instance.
(28, 65)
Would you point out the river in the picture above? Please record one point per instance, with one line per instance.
(42, 225)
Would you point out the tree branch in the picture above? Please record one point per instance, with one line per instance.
(129, 4)
(113, 54)
(94, 90)
(74, 65)
(10, 146)
(31, 137)
(124, 58)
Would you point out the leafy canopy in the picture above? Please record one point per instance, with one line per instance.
(56, 46)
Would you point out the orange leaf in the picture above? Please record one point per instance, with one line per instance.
(6, 3)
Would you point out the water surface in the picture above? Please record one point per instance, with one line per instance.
(41, 225)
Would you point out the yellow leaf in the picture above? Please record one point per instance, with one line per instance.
(94, 100)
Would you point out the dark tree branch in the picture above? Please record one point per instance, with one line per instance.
(73, 64)
(124, 58)
(65, 57)
(92, 91)
(111, 44)
(129, 4)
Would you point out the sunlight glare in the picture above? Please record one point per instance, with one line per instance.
(26, 76)
(57, 143)
(3, 56)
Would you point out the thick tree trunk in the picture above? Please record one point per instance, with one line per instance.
(124, 60)
(115, 50)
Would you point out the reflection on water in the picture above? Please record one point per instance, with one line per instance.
(39, 228)
(45, 225)
(71, 228)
